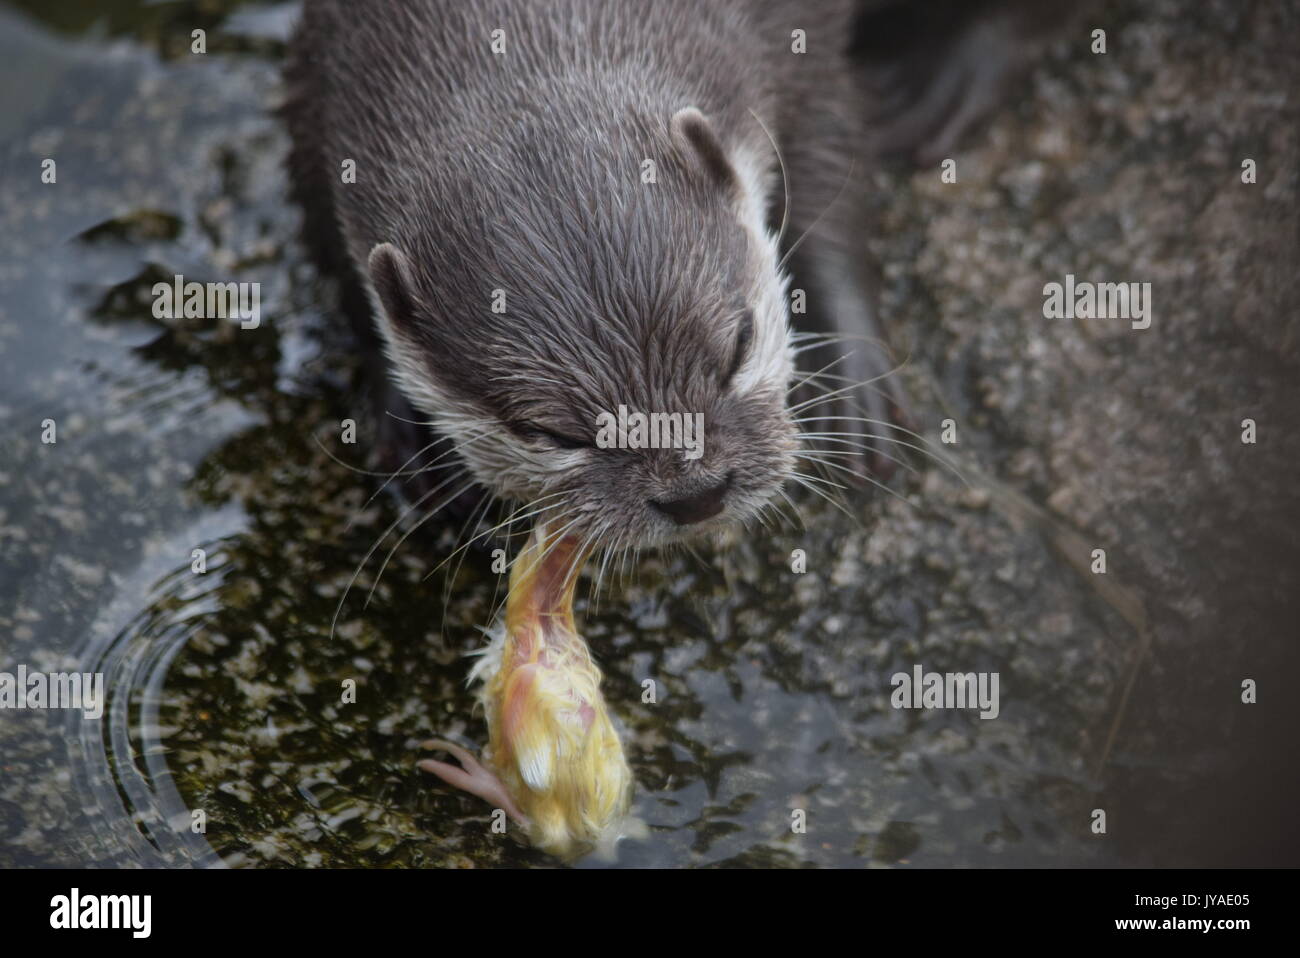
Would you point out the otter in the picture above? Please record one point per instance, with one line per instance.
(561, 208)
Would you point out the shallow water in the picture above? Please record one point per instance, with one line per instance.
(224, 687)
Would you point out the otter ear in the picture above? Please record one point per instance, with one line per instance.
(694, 135)
(405, 336)
(390, 274)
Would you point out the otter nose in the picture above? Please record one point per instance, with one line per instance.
(696, 507)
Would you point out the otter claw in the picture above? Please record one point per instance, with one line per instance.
(470, 776)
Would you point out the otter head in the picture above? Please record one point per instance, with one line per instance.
(606, 337)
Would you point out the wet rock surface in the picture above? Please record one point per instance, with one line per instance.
(772, 688)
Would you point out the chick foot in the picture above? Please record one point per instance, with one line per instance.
(470, 776)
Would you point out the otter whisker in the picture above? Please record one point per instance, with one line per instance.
(395, 523)
(848, 379)
(512, 377)
(434, 511)
(407, 534)
(528, 511)
(619, 561)
(814, 340)
(608, 560)
(808, 481)
(789, 509)
(820, 372)
(631, 559)
(357, 469)
(865, 478)
(593, 591)
(519, 514)
(862, 447)
(875, 422)
(820, 437)
(430, 467)
(824, 475)
(869, 384)
(937, 457)
(793, 508)
(852, 383)
(476, 518)
(817, 222)
(463, 550)
(413, 422)
(785, 180)
(822, 479)
(496, 587)
(833, 393)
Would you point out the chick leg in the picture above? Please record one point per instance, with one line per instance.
(470, 776)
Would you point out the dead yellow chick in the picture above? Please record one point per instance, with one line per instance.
(554, 762)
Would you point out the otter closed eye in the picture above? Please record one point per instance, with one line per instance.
(744, 337)
(533, 431)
